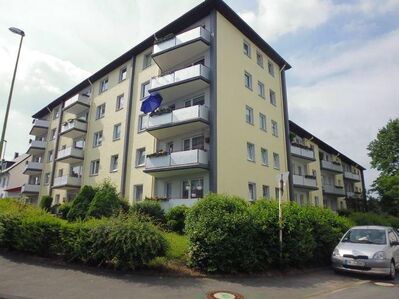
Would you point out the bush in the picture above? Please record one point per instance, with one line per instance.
(151, 209)
(176, 217)
(64, 209)
(45, 202)
(374, 219)
(220, 232)
(106, 202)
(1, 233)
(80, 204)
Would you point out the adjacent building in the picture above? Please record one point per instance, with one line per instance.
(222, 125)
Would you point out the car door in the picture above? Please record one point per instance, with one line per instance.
(396, 234)
(392, 237)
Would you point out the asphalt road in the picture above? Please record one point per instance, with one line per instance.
(26, 277)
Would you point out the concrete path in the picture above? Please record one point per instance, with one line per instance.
(27, 277)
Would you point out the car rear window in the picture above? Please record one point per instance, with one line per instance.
(366, 236)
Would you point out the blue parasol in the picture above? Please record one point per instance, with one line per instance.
(151, 103)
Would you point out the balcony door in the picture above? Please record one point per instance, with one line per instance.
(193, 188)
(192, 143)
(200, 100)
(76, 171)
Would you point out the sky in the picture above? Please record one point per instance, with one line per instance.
(343, 85)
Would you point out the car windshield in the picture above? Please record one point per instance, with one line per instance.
(366, 236)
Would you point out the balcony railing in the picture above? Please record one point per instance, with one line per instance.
(170, 52)
(304, 181)
(33, 167)
(351, 176)
(331, 189)
(39, 127)
(302, 152)
(36, 147)
(77, 104)
(351, 194)
(184, 159)
(68, 181)
(328, 165)
(74, 128)
(30, 188)
(70, 153)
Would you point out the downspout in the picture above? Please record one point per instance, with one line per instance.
(364, 192)
(287, 132)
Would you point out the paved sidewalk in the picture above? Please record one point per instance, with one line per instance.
(27, 277)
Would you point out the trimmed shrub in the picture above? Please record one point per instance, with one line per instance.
(105, 203)
(220, 232)
(80, 204)
(374, 219)
(45, 202)
(151, 209)
(176, 217)
(64, 209)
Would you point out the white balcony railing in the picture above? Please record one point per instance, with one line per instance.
(331, 189)
(37, 144)
(327, 165)
(77, 99)
(41, 123)
(351, 176)
(34, 166)
(303, 181)
(302, 152)
(30, 188)
(67, 180)
(70, 152)
(185, 37)
(178, 116)
(74, 124)
(177, 159)
(188, 73)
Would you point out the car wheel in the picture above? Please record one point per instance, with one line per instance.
(392, 273)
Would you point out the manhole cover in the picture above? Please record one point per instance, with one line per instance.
(224, 295)
(384, 284)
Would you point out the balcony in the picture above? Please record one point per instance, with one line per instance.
(177, 163)
(67, 182)
(302, 152)
(32, 168)
(74, 128)
(78, 104)
(39, 127)
(331, 166)
(305, 182)
(30, 189)
(181, 82)
(36, 147)
(70, 155)
(351, 176)
(333, 190)
(178, 122)
(350, 194)
(182, 47)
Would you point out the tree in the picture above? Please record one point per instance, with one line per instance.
(384, 150)
(45, 203)
(388, 189)
(80, 205)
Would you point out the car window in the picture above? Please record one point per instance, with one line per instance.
(392, 237)
(366, 236)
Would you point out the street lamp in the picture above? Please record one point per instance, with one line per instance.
(22, 34)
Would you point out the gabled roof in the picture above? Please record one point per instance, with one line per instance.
(324, 146)
(192, 16)
(16, 161)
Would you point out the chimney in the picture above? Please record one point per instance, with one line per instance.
(16, 155)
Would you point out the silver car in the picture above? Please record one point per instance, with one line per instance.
(368, 249)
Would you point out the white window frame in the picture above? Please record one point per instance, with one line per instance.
(123, 74)
(249, 115)
(264, 153)
(266, 194)
(104, 85)
(114, 165)
(143, 92)
(114, 137)
(274, 128)
(97, 141)
(262, 122)
(251, 152)
(261, 89)
(248, 45)
(100, 111)
(260, 61)
(270, 68)
(247, 74)
(94, 167)
(276, 161)
(147, 60)
(140, 152)
(272, 95)
(120, 102)
(252, 195)
(135, 193)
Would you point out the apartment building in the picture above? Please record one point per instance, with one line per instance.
(221, 127)
(322, 175)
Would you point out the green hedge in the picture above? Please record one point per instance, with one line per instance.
(151, 209)
(374, 219)
(227, 234)
(124, 242)
(45, 202)
(176, 217)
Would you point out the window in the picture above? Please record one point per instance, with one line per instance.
(53, 134)
(270, 68)
(250, 152)
(192, 143)
(193, 188)
(100, 111)
(168, 190)
(47, 178)
(120, 101)
(56, 113)
(265, 156)
(114, 163)
(123, 74)
(147, 60)
(259, 59)
(247, 49)
(274, 128)
(248, 80)
(98, 138)
(104, 85)
(141, 125)
(252, 191)
(249, 115)
(117, 132)
(261, 89)
(272, 97)
(94, 167)
(138, 192)
(140, 157)
(265, 191)
(276, 161)
(144, 89)
(50, 156)
(199, 100)
(276, 192)
(262, 122)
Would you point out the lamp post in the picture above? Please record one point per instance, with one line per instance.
(22, 34)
